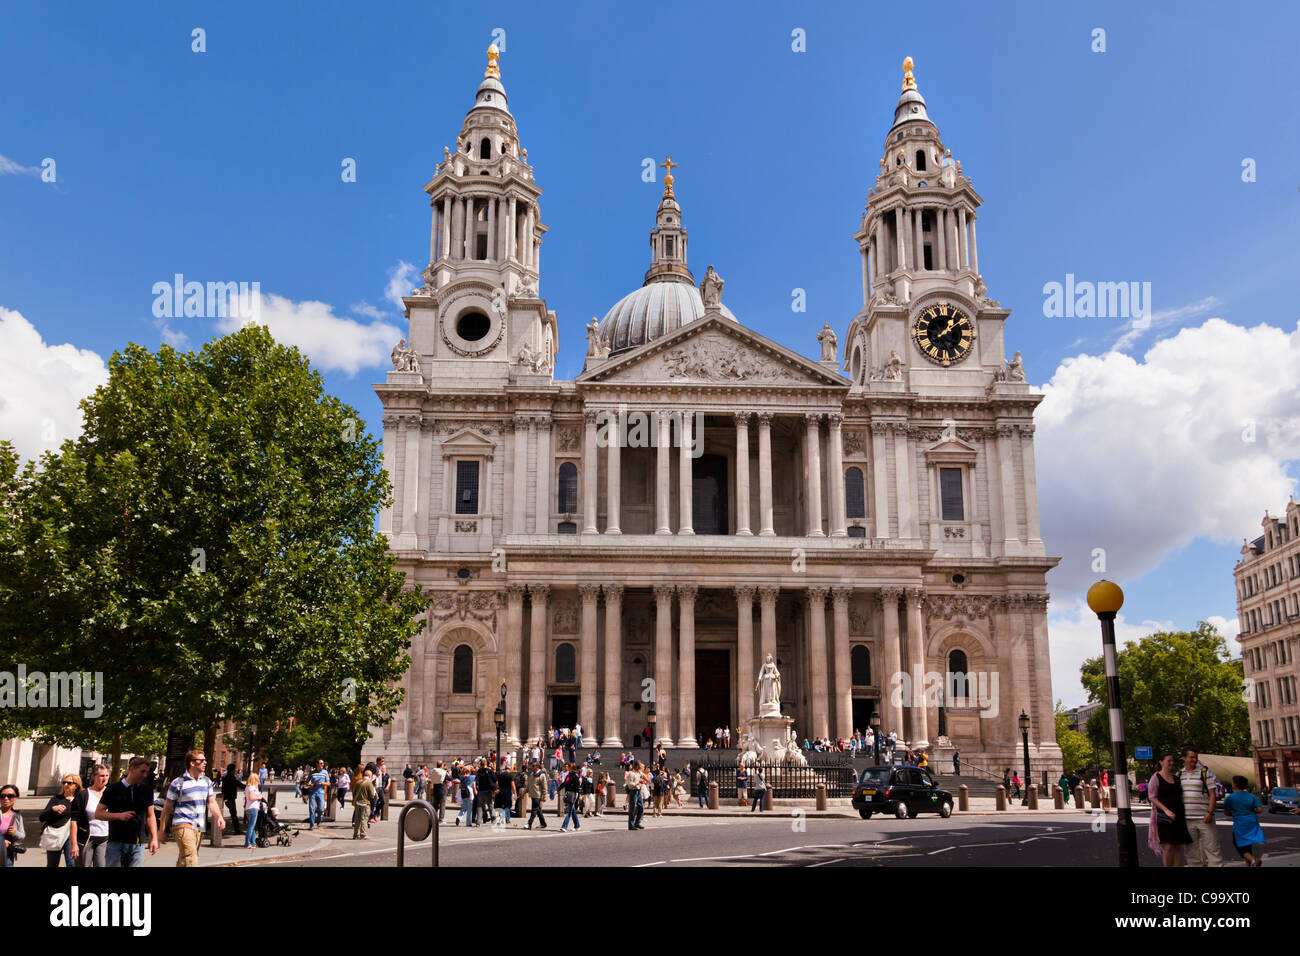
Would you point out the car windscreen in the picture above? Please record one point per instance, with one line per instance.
(1286, 793)
(877, 776)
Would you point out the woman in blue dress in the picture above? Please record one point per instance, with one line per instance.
(1244, 807)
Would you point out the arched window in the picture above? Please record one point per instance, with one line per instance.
(920, 160)
(567, 489)
(565, 664)
(462, 670)
(860, 665)
(956, 682)
(855, 499)
(485, 149)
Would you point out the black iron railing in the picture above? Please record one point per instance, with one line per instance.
(786, 780)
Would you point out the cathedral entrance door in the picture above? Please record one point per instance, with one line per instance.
(712, 691)
(709, 494)
(863, 708)
(564, 711)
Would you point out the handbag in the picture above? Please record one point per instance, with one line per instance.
(53, 838)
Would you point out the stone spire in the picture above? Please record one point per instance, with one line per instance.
(668, 238)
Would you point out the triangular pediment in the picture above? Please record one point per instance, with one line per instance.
(713, 351)
(948, 447)
(466, 441)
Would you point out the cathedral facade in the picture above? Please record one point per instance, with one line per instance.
(700, 496)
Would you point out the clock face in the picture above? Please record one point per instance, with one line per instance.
(943, 333)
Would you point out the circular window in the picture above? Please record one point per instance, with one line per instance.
(959, 579)
(463, 574)
(472, 326)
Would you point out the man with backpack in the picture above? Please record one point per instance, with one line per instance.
(1200, 797)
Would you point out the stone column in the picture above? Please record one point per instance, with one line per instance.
(613, 666)
(411, 488)
(954, 241)
(686, 665)
(1044, 712)
(663, 473)
(528, 239)
(963, 256)
(835, 474)
(900, 247)
(589, 472)
(492, 229)
(812, 434)
(425, 501)
(1007, 453)
(916, 664)
(588, 703)
(444, 240)
(940, 228)
(974, 248)
(519, 505)
(663, 698)
(765, 472)
(817, 652)
(537, 648)
(512, 229)
(918, 240)
(843, 672)
(903, 470)
(467, 229)
(746, 703)
(880, 476)
(613, 478)
(1033, 534)
(545, 468)
(742, 473)
(514, 652)
(891, 702)
(684, 475)
(767, 596)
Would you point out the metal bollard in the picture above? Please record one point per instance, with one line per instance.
(410, 790)
(419, 827)
(821, 796)
(713, 795)
(270, 797)
(1002, 797)
(215, 833)
(383, 811)
(1033, 796)
(1058, 797)
(1111, 791)
(1095, 796)
(331, 801)
(963, 797)
(1079, 797)
(525, 806)
(767, 799)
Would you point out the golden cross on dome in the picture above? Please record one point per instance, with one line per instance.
(669, 165)
(493, 71)
(909, 82)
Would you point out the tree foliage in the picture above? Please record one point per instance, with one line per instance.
(208, 544)
(1175, 687)
(1077, 751)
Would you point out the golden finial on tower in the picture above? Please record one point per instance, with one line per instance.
(668, 164)
(909, 82)
(493, 71)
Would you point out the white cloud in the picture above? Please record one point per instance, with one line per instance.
(9, 167)
(1142, 458)
(40, 386)
(1075, 636)
(332, 342)
(366, 309)
(173, 337)
(402, 279)
(1229, 627)
(1164, 319)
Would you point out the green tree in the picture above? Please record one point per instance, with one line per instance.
(1175, 687)
(209, 543)
(1077, 751)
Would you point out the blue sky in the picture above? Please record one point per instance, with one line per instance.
(1117, 166)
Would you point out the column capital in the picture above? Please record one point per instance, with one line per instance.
(613, 592)
(540, 593)
(764, 418)
(813, 419)
(543, 424)
(834, 420)
(915, 597)
(686, 593)
(889, 594)
(841, 595)
(589, 416)
(818, 592)
(664, 593)
(1027, 431)
(522, 422)
(879, 428)
(768, 593)
(744, 593)
(515, 593)
(743, 419)
(1006, 430)
(590, 592)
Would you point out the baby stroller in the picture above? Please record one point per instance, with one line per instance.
(270, 828)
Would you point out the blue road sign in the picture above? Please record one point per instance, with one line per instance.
(1142, 753)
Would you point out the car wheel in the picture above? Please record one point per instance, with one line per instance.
(945, 810)
(865, 814)
(901, 810)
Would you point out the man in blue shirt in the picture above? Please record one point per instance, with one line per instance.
(318, 783)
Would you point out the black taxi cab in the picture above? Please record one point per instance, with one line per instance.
(902, 791)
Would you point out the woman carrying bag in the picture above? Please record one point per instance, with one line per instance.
(59, 825)
(92, 837)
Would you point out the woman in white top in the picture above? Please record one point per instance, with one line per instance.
(91, 853)
(252, 806)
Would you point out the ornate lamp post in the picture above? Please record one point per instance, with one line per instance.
(875, 734)
(500, 716)
(1105, 598)
(650, 722)
(1024, 736)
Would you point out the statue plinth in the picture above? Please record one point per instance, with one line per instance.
(771, 731)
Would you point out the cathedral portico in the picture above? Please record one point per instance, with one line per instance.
(701, 496)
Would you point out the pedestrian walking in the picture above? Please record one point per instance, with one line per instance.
(317, 784)
(252, 809)
(11, 825)
(635, 798)
(1015, 783)
(1243, 808)
(702, 786)
(363, 796)
(230, 787)
(342, 786)
(1064, 784)
(94, 836)
(183, 811)
(58, 826)
(1168, 830)
(571, 785)
(127, 807)
(468, 795)
(758, 787)
(505, 794)
(956, 763)
(537, 787)
(742, 785)
(438, 788)
(1200, 797)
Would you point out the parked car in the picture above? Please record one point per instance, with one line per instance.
(1284, 800)
(902, 791)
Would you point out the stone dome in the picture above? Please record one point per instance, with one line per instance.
(651, 312)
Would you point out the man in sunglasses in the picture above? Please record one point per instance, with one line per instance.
(188, 796)
(128, 807)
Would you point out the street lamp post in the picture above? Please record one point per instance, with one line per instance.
(1105, 599)
(500, 716)
(875, 734)
(1024, 736)
(650, 722)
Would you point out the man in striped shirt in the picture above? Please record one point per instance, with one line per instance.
(188, 797)
(1199, 798)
